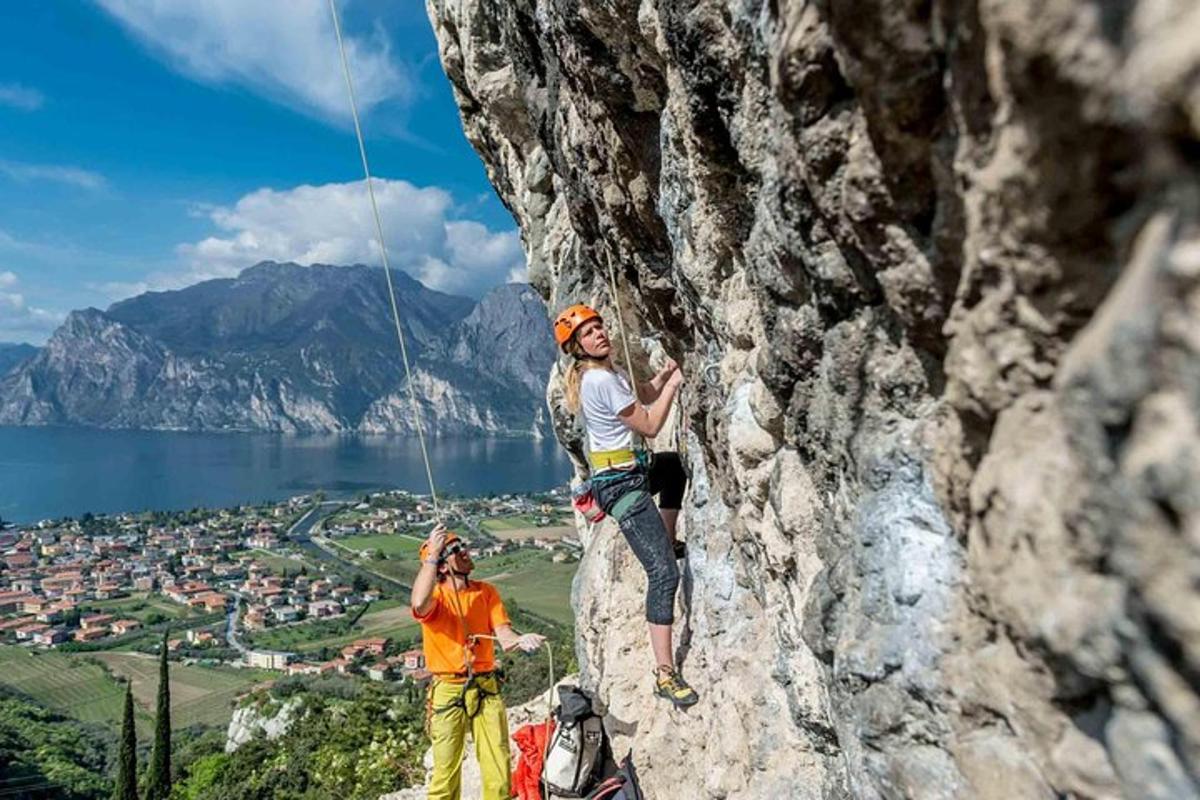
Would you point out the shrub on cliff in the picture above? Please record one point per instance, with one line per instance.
(49, 755)
(351, 749)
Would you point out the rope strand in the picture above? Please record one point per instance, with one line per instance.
(387, 269)
(612, 282)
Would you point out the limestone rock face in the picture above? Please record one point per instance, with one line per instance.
(933, 271)
(248, 722)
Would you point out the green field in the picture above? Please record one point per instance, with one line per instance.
(138, 607)
(76, 685)
(395, 545)
(68, 684)
(534, 581)
(390, 618)
(400, 569)
(515, 521)
(283, 565)
(199, 695)
(508, 523)
(524, 526)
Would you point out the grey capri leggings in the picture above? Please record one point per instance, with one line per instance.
(626, 495)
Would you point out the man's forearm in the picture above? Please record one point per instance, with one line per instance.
(422, 590)
(508, 637)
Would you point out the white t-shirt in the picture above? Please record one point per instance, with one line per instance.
(602, 395)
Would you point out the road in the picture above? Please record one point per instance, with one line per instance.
(301, 534)
(231, 624)
(301, 527)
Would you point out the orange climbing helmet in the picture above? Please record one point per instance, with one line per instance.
(570, 321)
(423, 553)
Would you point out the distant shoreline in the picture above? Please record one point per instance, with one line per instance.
(51, 473)
(529, 436)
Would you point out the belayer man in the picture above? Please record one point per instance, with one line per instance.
(459, 619)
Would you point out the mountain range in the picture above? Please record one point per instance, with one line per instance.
(12, 354)
(295, 349)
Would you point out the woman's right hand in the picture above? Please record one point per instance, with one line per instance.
(674, 379)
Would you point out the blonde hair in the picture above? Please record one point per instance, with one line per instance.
(574, 377)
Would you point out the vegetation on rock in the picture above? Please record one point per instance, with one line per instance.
(44, 754)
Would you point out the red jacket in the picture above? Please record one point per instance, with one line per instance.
(532, 740)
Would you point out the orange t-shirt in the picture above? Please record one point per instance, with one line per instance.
(442, 630)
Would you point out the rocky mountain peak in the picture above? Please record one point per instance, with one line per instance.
(14, 353)
(291, 348)
(505, 333)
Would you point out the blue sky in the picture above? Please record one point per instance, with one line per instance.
(149, 144)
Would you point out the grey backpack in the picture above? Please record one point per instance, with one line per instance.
(577, 748)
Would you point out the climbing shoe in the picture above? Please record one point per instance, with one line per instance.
(680, 549)
(668, 684)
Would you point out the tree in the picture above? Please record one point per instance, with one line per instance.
(359, 584)
(126, 788)
(158, 785)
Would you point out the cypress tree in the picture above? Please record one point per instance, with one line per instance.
(126, 788)
(158, 786)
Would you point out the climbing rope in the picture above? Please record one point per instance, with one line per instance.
(387, 272)
(383, 254)
(616, 297)
(612, 283)
(549, 691)
(680, 434)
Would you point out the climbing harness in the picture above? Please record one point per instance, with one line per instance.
(550, 660)
(613, 459)
(482, 692)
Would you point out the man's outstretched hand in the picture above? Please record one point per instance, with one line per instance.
(530, 642)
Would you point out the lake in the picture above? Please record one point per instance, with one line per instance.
(56, 472)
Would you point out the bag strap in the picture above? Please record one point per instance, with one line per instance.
(607, 789)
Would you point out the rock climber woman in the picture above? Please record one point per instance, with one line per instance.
(624, 477)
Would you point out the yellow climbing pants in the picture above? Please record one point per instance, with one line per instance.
(481, 711)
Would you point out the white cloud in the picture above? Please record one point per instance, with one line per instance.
(55, 173)
(332, 224)
(21, 97)
(20, 321)
(284, 50)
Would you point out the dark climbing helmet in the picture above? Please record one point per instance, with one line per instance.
(570, 321)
